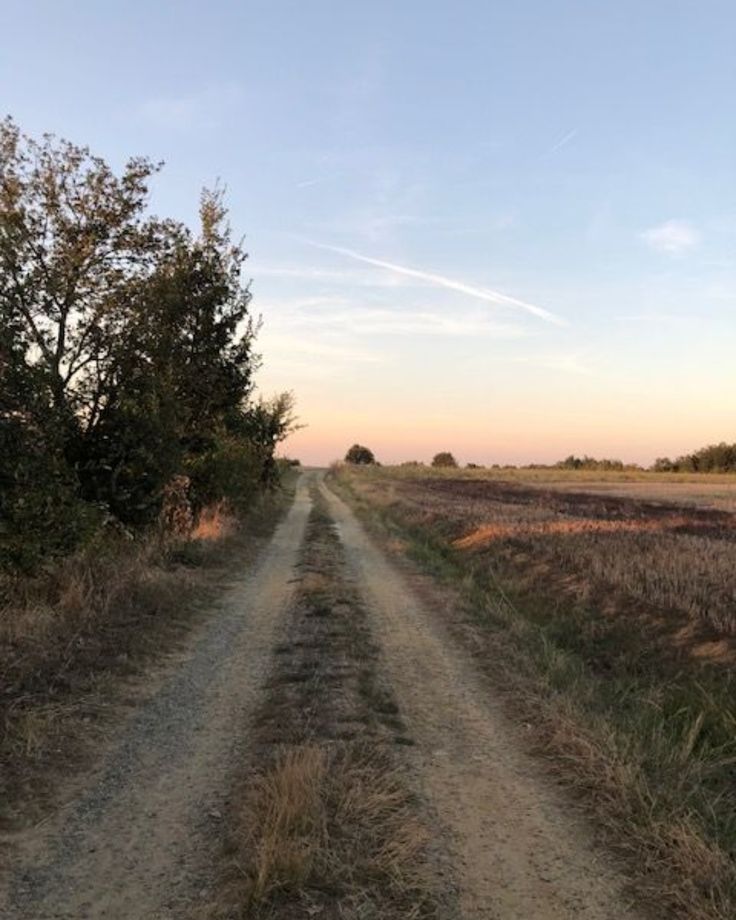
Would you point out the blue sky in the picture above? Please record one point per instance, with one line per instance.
(501, 228)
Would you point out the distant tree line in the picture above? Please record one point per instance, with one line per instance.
(359, 455)
(715, 458)
(126, 353)
(591, 463)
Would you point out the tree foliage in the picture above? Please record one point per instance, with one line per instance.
(360, 455)
(589, 463)
(444, 459)
(126, 350)
(715, 458)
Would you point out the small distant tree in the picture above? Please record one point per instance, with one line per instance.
(444, 458)
(360, 455)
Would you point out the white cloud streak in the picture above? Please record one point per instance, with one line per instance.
(349, 320)
(486, 294)
(673, 237)
(202, 108)
(565, 139)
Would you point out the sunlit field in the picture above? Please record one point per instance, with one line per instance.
(608, 600)
(708, 490)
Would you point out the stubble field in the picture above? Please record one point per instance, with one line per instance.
(606, 605)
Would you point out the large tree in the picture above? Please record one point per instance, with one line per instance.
(182, 374)
(126, 342)
(74, 243)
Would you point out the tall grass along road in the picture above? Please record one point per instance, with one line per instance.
(520, 850)
(137, 843)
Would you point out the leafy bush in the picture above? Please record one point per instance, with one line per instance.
(715, 458)
(40, 509)
(360, 455)
(588, 463)
(444, 459)
(230, 469)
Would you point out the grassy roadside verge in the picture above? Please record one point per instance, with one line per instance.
(648, 745)
(323, 821)
(72, 638)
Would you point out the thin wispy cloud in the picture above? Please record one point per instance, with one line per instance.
(673, 237)
(352, 278)
(308, 183)
(345, 318)
(452, 284)
(659, 318)
(563, 141)
(201, 108)
(287, 345)
(566, 363)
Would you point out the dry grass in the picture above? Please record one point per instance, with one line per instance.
(214, 523)
(666, 563)
(609, 623)
(63, 635)
(324, 822)
(671, 557)
(71, 633)
(320, 827)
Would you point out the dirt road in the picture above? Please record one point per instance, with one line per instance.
(140, 842)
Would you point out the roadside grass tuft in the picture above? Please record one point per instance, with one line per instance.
(321, 826)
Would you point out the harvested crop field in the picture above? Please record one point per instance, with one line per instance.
(716, 491)
(611, 623)
(659, 557)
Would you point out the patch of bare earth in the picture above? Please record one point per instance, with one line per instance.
(522, 848)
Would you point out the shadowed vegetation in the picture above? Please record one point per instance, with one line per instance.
(69, 636)
(126, 355)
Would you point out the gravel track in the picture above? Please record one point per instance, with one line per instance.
(138, 843)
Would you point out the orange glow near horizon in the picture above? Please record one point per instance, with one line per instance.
(508, 438)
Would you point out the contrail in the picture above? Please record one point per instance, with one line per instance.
(562, 141)
(441, 281)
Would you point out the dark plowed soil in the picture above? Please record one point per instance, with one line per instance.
(678, 518)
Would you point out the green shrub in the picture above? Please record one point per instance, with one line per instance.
(230, 469)
(444, 459)
(41, 514)
(360, 455)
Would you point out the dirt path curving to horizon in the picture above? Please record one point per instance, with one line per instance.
(521, 851)
(141, 839)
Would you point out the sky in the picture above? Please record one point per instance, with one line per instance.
(504, 229)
